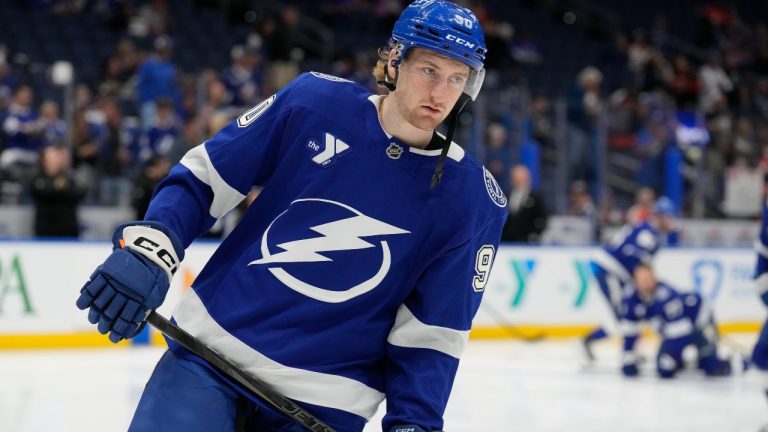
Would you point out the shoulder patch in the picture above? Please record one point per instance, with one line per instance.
(329, 77)
(494, 191)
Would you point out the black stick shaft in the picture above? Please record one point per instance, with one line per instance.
(251, 383)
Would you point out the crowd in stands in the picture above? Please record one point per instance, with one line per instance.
(641, 98)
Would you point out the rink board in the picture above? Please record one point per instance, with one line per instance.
(531, 290)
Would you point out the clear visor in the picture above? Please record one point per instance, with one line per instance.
(474, 83)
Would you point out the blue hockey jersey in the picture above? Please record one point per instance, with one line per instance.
(672, 313)
(761, 268)
(631, 246)
(348, 280)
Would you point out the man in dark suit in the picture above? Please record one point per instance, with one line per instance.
(527, 215)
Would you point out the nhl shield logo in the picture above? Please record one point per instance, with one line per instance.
(394, 151)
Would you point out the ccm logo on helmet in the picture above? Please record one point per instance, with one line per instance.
(460, 41)
(151, 246)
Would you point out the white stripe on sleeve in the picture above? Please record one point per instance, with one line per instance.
(225, 197)
(409, 332)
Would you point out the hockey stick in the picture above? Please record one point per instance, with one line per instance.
(253, 384)
(512, 329)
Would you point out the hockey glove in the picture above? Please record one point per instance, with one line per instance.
(133, 280)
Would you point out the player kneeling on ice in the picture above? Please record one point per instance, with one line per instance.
(681, 319)
(354, 276)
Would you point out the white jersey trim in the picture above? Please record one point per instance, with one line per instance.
(677, 329)
(409, 332)
(455, 152)
(705, 313)
(612, 265)
(316, 388)
(225, 197)
(629, 328)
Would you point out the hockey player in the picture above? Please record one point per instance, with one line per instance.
(631, 246)
(681, 319)
(353, 277)
(760, 352)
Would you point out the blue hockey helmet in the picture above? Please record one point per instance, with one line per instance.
(445, 28)
(664, 207)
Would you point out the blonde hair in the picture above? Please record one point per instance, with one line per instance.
(380, 70)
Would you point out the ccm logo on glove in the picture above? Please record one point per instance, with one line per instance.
(152, 244)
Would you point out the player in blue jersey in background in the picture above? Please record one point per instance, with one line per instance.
(681, 319)
(760, 352)
(356, 273)
(614, 266)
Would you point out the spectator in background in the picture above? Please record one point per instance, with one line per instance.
(282, 38)
(152, 19)
(585, 105)
(587, 100)
(83, 96)
(497, 153)
(54, 129)
(242, 78)
(639, 53)
(216, 99)
(115, 159)
(121, 67)
(580, 202)
(163, 132)
(22, 131)
(89, 135)
(744, 145)
(652, 140)
(542, 125)
(155, 169)
(622, 120)
(156, 79)
(715, 85)
(56, 195)
(527, 215)
(642, 209)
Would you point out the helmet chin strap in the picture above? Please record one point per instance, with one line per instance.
(388, 81)
(453, 120)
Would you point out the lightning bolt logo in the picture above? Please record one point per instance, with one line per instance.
(341, 235)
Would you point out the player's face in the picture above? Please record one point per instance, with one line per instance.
(665, 223)
(428, 86)
(645, 281)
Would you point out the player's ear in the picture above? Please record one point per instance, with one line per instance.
(392, 63)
